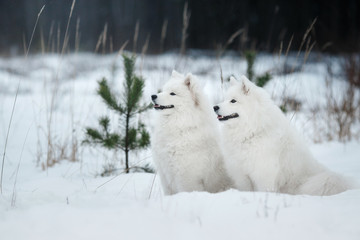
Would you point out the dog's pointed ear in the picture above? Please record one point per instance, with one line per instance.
(245, 85)
(187, 80)
(233, 81)
(191, 83)
(176, 74)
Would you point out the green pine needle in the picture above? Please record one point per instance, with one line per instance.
(108, 96)
(263, 79)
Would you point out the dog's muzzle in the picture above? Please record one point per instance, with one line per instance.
(159, 107)
(224, 118)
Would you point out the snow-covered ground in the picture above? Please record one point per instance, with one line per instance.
(57, 100)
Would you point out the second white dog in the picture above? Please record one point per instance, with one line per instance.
(263, 151)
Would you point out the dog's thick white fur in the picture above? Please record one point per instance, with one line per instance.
(263, 152)
(185, 145)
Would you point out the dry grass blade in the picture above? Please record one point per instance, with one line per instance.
(163, 35)
(152, 185)
(326, 45)
(101, 185)
(244, 37)
(143, 51)
(50, 35)
(13, 198)
(124, 171)
(104, 38)
(280, 49)
(306, 35)
(32, 34)
(229, 41)
(111, 44)
(7, 138)
(184, 35)
(233, 36)
(99, 42)
(14, 104)
(136, 35)
(77, 35)
(24, 44)
(120, 52)
(308, 51)
(65, 42)
(122, 48)
(42, 41)
(164, 29)
(221, 76)
(289, 45)
(58, 38)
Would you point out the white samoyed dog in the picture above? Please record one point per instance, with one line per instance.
(185, 145)
(263, 152)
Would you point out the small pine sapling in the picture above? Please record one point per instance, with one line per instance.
(131, 137)
(250, 60)
(261, 80)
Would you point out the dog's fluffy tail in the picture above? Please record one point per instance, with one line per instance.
(326, 183)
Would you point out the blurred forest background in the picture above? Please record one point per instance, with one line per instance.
(263, 23)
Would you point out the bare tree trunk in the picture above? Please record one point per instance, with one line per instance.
(127, 142)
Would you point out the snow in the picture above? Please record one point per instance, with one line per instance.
(71, 201)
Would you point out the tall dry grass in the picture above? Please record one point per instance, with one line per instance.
(289, 102)
(343, 104)
(15, 99)
(56, 151)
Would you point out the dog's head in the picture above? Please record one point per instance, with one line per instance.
(178, 94)
(238, 98)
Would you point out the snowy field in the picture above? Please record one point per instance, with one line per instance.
(57, 100)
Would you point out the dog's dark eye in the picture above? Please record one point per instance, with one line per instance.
(172, 94)
(233, 101)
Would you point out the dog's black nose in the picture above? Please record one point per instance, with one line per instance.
(153, 97)
(216, 108)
